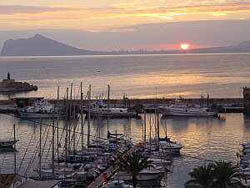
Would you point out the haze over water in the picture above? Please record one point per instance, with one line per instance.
(139, 76)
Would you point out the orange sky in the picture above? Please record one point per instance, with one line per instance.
(112, 15)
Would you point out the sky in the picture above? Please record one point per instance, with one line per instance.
(120, 16)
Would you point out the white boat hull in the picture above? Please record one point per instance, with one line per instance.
(186, 112)
(143, 176)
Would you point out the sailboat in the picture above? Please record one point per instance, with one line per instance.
(168, 145)
(6, 144)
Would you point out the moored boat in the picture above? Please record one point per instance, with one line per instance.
(7, 144)
(99, 109)
(169, 145)
(187, 110)
(144, 175)
(41, 109)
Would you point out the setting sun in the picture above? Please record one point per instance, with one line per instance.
(185, 46)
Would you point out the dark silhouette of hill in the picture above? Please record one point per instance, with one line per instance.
(39, 46)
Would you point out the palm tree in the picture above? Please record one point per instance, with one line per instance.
(215, 175)
(227, 175)
(133, 163)
(201, 177)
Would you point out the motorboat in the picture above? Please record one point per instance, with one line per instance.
(188, 110)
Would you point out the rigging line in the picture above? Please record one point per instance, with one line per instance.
(49, 125)
(45, 124)
(2, 163)
(60, 140)
(47, 155)
(26, 150)
(80, 135)
(73, 135)
(35, 153)
(45, 135)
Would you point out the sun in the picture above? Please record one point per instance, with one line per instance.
(184, 46)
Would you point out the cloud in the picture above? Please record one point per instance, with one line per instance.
(17, 9)
(117, 17)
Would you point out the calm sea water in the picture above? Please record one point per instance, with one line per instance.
(220, 75)
(138, 76)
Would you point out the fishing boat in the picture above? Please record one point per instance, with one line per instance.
(40, 109)
(188, 110)
(100, 109)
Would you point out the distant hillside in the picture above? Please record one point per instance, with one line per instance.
(43, 46)
(243, 47)
(39, 46)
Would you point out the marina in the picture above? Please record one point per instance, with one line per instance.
(72, 135)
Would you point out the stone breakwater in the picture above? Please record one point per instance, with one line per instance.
(132, 102)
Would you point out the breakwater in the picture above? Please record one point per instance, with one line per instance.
(132, 102)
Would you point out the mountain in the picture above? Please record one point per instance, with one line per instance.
(39, 46)
(43, 46)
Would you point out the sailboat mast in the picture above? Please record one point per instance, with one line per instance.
(108, 108)
(158, 129)
(150, 132)
(89, 98)
(66, 128)
(14, 126)
(108, 97)
(145, 127)
(53, 148)
(82, 117)
(58, 90)
(57, 136)
(40, 151)
(70, 115)
(57, 124)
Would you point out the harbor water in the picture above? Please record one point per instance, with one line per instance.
(204, 139)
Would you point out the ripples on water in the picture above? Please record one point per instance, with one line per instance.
(203, 138)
